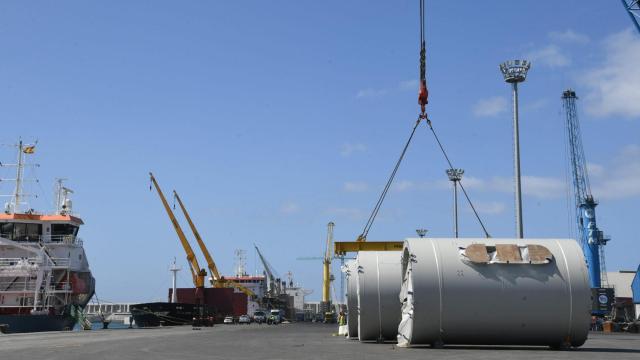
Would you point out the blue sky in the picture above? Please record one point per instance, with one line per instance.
(271, 119)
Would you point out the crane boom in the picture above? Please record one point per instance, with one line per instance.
(197, 272)
(591, 238)
(216, 279)
(213, 269)
(267, 268)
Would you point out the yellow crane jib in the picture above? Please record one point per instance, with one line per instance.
(343, 247)
(216, 280)
(197, 272)
(213, 269)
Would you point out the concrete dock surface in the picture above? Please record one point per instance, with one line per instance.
(286, 341)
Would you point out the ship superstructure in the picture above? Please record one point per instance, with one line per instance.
(45, 280)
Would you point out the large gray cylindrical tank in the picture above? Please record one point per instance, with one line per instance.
(378, 286)
(494, 291)
(351, 272)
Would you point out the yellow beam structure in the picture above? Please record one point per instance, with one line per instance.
(343, 247)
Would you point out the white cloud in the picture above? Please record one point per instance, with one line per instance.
(470, 182)
(490, 107)
(618, 180)
(489, 208)
(423, 185)
(371, 93)
(348, 149)
(408, 85)
(543, 187)
(551, 56)
(401, 86)
(348, 213)
(404, 185)
(612, 87)
(595, 170)
(569, 36)
(621, 180)
(289, 208)
(355, 186)
(535, 105)
(536, 186)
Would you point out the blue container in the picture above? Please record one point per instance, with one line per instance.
(635, 287)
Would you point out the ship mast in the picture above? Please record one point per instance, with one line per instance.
(15, 206)
(15, 203)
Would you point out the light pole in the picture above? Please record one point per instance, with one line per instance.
(421, 232)
(455, 175)
(514, 72)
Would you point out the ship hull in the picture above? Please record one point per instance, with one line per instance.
(11, 324)
(167, 314)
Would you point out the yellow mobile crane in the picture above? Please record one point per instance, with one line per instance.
(197, 272)
(216, 280)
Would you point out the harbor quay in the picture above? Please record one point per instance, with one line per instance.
(285, 341)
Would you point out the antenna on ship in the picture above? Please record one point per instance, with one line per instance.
(64, 204)
(241, 262)
(14, 205)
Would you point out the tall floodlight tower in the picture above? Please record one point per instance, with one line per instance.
(514, 72)
(455, 175)
(592, 239)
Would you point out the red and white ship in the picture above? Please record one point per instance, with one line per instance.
(45, 280)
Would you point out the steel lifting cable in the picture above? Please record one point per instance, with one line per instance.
(376, 208)
(459, 181)
(422, 100)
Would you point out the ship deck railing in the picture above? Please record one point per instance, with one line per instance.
(58, 263)
(48, 239)
(8, 287)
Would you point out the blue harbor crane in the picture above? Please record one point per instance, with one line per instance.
(591, 238)
(633, 8)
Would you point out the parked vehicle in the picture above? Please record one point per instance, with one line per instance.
(244, 319)
(228, 320)
(259, 317)
(275, 317)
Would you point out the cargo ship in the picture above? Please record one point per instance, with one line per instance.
(206, 305)
(171, 314)
(191, 306)
(45, 280)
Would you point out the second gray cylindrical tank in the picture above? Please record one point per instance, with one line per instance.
(494, 291)
(378, 285)
(351, 273)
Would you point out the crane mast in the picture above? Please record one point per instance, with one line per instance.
(591, 238)
(326, 266)
(197, 272)
(325, 305)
